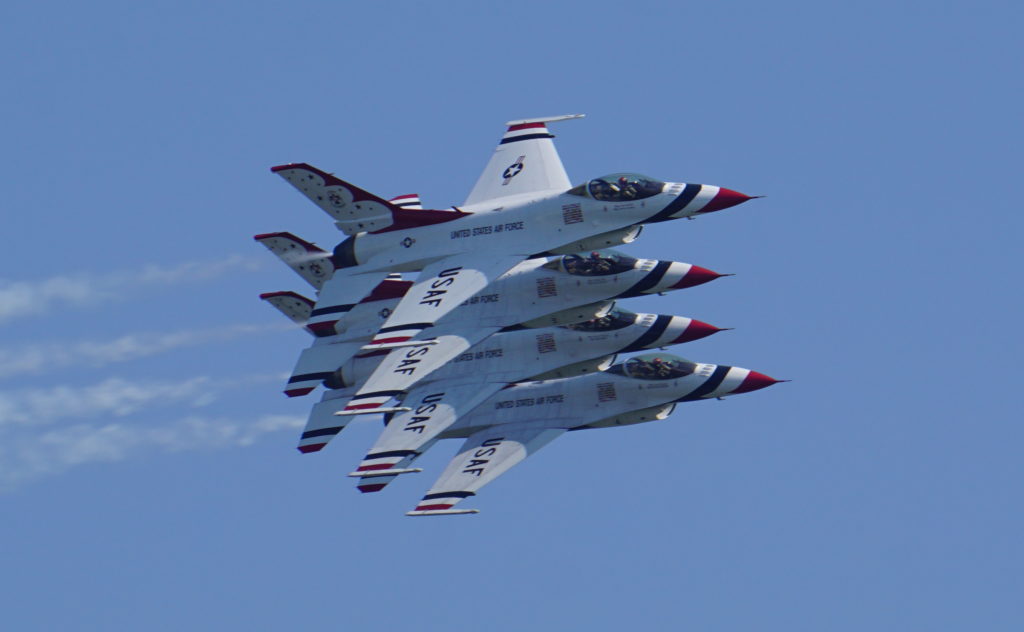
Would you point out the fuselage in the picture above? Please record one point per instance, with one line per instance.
(539, 292)
(522, 354)
(524, 224)
(578, 402)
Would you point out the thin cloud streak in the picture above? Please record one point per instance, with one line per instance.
(38, 358)
(114, 397)
(25, 298)
(24, 457)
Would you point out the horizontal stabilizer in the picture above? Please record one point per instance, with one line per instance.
(353, 209)
(316, 364)
(322, 426)
(293, 305)
(311, 263)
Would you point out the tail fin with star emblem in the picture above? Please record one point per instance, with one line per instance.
(524, 162)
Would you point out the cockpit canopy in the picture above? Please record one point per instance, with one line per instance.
(619, 187)
(654, 366)
(615, 319)
(596, 263)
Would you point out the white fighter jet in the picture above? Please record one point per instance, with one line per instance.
(355, 324)
(516, 422)
(522, 205)
(507, 357)
(538, 292)
(605, 274)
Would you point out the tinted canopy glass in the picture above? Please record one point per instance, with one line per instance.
(615, 319)
(597, 263)
(620, 187)
(655, 366)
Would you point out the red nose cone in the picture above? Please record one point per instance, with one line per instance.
(755, 381)
(696, 276)
(696, 331)
(724, 199)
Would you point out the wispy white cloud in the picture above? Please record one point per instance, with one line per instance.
(24, 298)
(37, 358)
(24, 457)
(113, 397)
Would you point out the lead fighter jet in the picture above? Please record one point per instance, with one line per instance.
(522, 205)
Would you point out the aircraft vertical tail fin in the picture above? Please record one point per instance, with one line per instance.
(410, 202)
(525, 161)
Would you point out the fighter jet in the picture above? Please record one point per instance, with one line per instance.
(522, 205)
(538, 292)
(516, 422)
(502, 359)
(355, 324)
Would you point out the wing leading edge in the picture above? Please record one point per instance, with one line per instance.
(484, 457)
(440, 289)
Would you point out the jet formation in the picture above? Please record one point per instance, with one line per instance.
(508, 331)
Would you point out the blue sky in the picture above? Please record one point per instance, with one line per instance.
(147, 466)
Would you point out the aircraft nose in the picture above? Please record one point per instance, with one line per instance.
(725, 198)
(755, 381)
(695, 331)
(696, 275)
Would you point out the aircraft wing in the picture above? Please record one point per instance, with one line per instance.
(440, 289)
(525, 161)
(484, 457)
(433, 408)
(322, 424)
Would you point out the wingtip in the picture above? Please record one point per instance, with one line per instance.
(545, 119)
(441, 512)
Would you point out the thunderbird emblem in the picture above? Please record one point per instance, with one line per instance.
(335, 199)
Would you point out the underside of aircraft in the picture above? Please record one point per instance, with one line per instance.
(500, 321)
